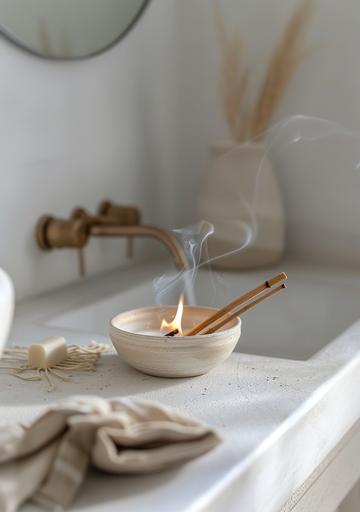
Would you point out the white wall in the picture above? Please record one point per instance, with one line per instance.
(75, 133)
(135, 123)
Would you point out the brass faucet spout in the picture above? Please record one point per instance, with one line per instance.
(160, 234)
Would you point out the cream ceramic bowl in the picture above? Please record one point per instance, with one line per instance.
(179, 356)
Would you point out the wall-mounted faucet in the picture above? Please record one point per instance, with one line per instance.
(110, 221)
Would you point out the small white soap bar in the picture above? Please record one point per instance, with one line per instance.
(48, 352)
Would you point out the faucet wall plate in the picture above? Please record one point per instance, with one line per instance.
(40, 232)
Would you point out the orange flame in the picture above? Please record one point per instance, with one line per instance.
(176, 322)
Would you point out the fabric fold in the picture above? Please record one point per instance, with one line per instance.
(47, 460)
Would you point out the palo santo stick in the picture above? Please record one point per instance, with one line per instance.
(172, 333)
(237, 302)
(241, 311)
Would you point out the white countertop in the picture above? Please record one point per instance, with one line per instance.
(279, 417)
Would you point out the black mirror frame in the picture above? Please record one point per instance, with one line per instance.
(13, 40)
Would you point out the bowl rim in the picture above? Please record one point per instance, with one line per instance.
(184, 339)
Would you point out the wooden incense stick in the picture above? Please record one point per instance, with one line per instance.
(270, 283)
(244, 309)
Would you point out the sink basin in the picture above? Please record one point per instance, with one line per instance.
(318, 305)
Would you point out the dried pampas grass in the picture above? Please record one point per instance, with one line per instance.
(235, 77)
(282, 67)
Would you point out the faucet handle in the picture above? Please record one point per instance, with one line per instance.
(124, 215)
(54, 233)
(82, 214)
(92, 220)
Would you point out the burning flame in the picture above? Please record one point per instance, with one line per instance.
(176, 322)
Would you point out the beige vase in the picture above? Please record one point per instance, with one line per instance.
(241, 197)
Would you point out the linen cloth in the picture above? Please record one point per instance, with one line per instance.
(46, 461)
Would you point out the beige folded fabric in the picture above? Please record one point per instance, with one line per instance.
(47, 460)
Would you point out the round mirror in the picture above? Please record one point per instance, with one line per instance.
(68, 29)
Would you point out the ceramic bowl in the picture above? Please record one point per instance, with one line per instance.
(178, 356)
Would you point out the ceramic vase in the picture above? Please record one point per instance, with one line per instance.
(6, 307)
(240, 196)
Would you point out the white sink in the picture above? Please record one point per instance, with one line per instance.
(318, 305)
